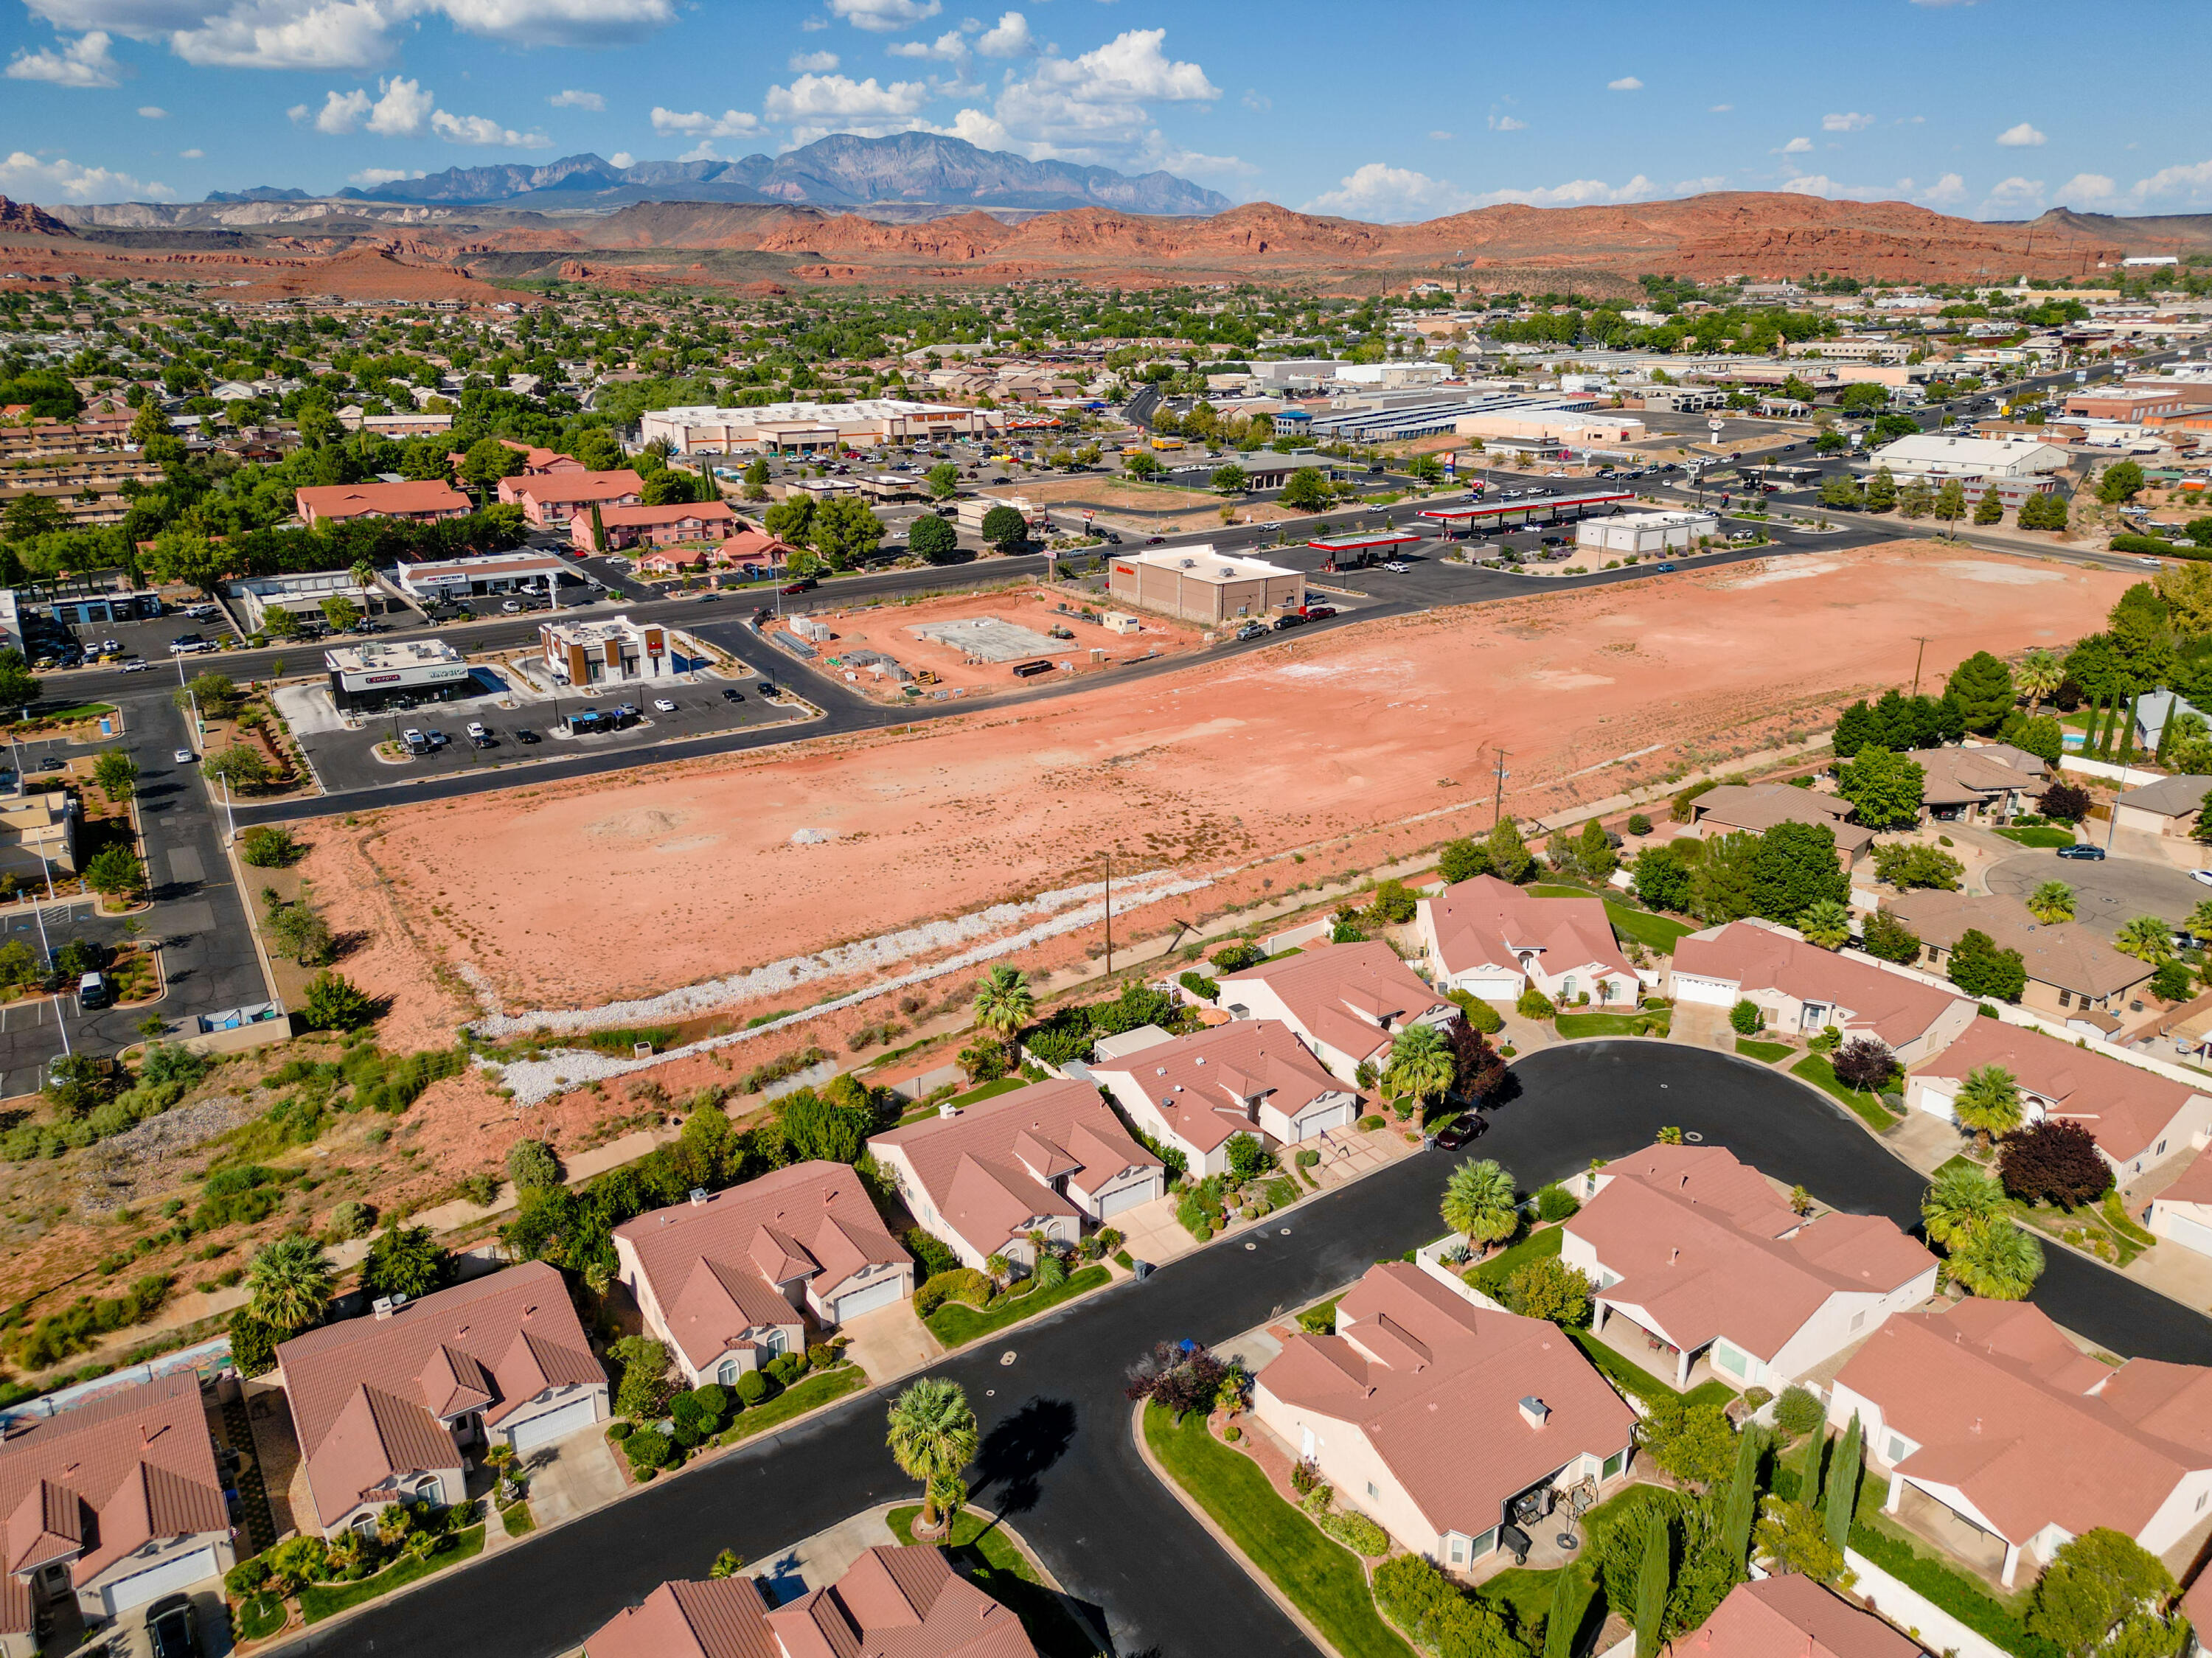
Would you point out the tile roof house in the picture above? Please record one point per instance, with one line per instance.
(1791, 1616)
(114, 1504)
(2136, 1115)
(1042, 1158)
(1961, 784)
(1696, 1248)
(554, 498)
(654, 526)
(2000, 1438)
(730, 1279)
(2182, 1211)
(2070, 970)
(1196, 1093)
(2167, 807)
(1802, 987)
(419, 503)
(892, 1603)
(1758, 807)
(535, 461)
(389, 1407)
(755, 546)
(1432, 1414)
(1345, 1001)
(1494, 939)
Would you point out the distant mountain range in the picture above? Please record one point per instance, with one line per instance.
(840, 171)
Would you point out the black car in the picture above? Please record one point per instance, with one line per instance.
(169, 1628)
(732, 694)
(1454, 1135)
(524, 734)
(1288, 620)
(2095, 855)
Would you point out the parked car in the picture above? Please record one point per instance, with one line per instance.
(137, 665)
(169, 1628)
(437, 738)
(2095, 855)
(1319, 612)
(183, 757)
(1288, 620)
(732, 694)
(1395, 568)
(524, 734)
(1454, 1135)
(2202, 876)
(663, 705)
(1252, 630)
(766, 688)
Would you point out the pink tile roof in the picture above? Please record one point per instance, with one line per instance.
(2030, 1428)
(984, 1170)
(343, 501)
(1487, 922)
(565, 487)
(899, 1603)
(1436, 1384)
(705, 512)
(1197, 1083)
(755, 545)
(723, 1618)
(2125, 1107)
(812, 1221)
(1791, 1617)
(1705, 1248)
(368, 1393)
(2195, 1185)
(108, 1477)
(1338, 992)
(1897, 1009)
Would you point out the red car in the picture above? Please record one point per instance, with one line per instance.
(1319, 612)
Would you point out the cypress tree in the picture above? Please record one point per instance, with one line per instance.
(2100, 723)
(1560, 1624)
(1652, 1584)
(2165, 735)
(1808, 1477)
(2128, 730)
(1742, 1498)
(1843, 1486)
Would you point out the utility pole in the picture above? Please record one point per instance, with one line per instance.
(1109, 857)
(1917, 657)
(1498, 803)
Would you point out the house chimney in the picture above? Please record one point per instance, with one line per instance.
(946, 1108)
(1534, 1411)
(1673, 1255)
(698, 1196)
(381, 1307)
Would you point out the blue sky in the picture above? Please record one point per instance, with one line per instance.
(1997, 109)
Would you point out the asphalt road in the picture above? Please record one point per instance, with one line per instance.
(2105, 895)
(1057, 1457)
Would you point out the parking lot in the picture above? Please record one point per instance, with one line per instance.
(147, 641)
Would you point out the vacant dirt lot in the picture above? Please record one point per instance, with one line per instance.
(836, 864)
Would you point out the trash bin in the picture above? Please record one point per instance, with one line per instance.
(1141, 1268)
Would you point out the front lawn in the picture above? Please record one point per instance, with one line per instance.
(1574, 1026)
(1322, 1579)
(796, 1401)
(518, 1519)
(989, 1558)
(1765, 1052)
(1652, 931)
(1815, 1069)
(321, 1600)
(2039, 835)
(260, 1616)
(955, 1323)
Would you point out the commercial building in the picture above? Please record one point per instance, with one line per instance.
(2127, 402)
(1197, 584)
(426, 502)
(969, 511)
(1644, 533)
(302, 595)
(1490, 515)
(378, 673)
(609, 651)
(1934, 455)
(493, 573)
(808, 427)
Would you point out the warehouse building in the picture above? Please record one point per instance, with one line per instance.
(1197, 584)
(1644, 533)
(375, 676)
(1932, 455)
(787, 428)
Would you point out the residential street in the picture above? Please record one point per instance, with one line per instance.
(2107, 894)
(1057, 1457)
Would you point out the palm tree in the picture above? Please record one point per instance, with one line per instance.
(1004, 1004)
(933, 1436)
(1479, 1202)
(1958, 1203)
(363, 573)
(1420, 1064)
(288, 1283)
(2000, 1262)
(2051, 903)
(2039, 674)
(1988, 1102)
(2145, 937)
(1827, 923)
(2200, 919)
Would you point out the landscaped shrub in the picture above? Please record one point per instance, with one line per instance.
(649, 1447)
(752, 1387)
(1745, 1018)
(1234, 958)
(931, 1252)
(1555, 1202)
(786, 1368)
(1368, 1125)
(1798, 1412)
(1755, 1398)
(1199, 986)
(961, 1284)
(619, 1430)
(1303, 1478)
(1357, 1532)
(1439, 1615)
(1309, 1158)
(1479, 1015)
(1534, 1005)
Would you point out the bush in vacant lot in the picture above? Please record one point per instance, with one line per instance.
(266, 846)
(334, 1002)
(296, 928)
(237, 1196)
(81, 1324)
(532, 1163)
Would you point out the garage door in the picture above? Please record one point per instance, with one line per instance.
(572, 1417)
(867, 1300)
(2193, 1233)
(166, 1579)
(1128, 1198)
(1337, 1116)
(1706, 992)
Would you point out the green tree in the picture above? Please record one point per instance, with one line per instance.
(1479, 1202)
(2121, 482)
(1005, 528)
(2051, 903)
(2105, 1593)
(1306, 490)
(1548, 1288)
(487, 461)
(790, 519)
(1842, 491)
(1229, 480)
(1980, 968)
(932, 540)
(758, 474)
(114, 872)
(287, 1284)
(1881, 491)
(241, 765)
(334, 1002)
(1989, 509)
(1003, 1003)
(405, 1260)
(1562, 1623)
(1420, 1063)
(1982, 687)
(1141, 465)
(1915, 500)
(297, 929)
(1594, 854)
(2001, 1262)
(845, 531)
(1724, 882)
(933, 1436)
(18, 688)
(1509, 857)
(1887, 938)
(1795, 867)
(1988, 1102)
(1661, 879)
(1843, 1497)
(943, 479)
(1884, 788)
(1742, 1509)
(2145, 937)
(340, 612)
(1653, 1583)
(117, 774)
(1905, 864)
(1465, 858)
(1950, 503)
(1826, 922)
(1793, 1537)
(2040, 673)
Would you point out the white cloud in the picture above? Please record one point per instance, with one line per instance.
(369, 176)
(1575, 192)
(570, 98)
(342, 112)
(153, 112)
(813, 62)
(27, 178)
(1391, 194)
(1093, 108)
(2084, 188)
(1257, 102)
(83, 62)
(950, 48)
(2022, 137)
(1627, 83)
(328, 35)
(1947, 189)
(623, 157)
(2014, 197)
(1507, 123)
(483, 130)
(886, 17)
(730, 123)
(1440, 136)
(404, 109)
(1719, 109)
(1699, 186)
(815, 105)
(1796, 147)
(2192, 180)
(1009, 37)
(1819, 184)
(1850, 121)
(192, 155)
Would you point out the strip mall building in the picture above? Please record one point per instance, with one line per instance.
(786, 428)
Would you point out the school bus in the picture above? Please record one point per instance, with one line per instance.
(1167, 443)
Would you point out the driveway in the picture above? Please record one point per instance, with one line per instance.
(573, 1476)
(2105, 895)
(891, 1342)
